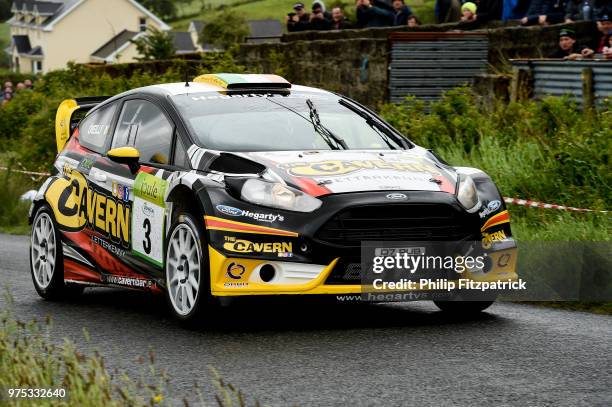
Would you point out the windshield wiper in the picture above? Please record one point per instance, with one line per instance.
(384, 133)
(322, 130)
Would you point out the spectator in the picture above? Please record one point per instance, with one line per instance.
(447, 11)
(520, 8)
(413, 21)
(320, 20)
(401, 12)
(339, 22)
(298, 21)
(568, 48)
(468, 12)
(514, 9)
(28, 84)
(544, 12)
(575, 9)
(370, 15)
(607, 50)
(8, 94)
(604, 25)
(489, 10)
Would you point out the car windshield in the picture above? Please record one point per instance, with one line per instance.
(276, 122)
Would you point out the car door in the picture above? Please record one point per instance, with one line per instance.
(144, 125)
(75, 195)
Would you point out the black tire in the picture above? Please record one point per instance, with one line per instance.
(463, 307)
(53, 287)
(178, 289)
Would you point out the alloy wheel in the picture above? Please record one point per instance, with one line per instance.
(183, 260)
(43, 251)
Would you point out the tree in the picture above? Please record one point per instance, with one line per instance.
(155, 44)
(5, 10)
(165, 9)
(227, 29)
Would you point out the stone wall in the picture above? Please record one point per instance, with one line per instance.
(354, 67)
(355, 62)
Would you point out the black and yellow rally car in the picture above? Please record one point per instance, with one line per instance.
(235, 185)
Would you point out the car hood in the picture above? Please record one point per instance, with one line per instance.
(321, 173)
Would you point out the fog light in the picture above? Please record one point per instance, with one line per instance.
(488, 264)
(267, 273)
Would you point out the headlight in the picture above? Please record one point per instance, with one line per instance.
(467, 194)
(277, 195)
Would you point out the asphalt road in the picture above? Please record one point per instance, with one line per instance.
(297, 353)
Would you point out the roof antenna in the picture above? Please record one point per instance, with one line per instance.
(186, 73)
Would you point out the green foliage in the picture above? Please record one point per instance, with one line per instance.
(29, 359)
(15, 77)
(554, 225)
(278, 9)
(156, 44)
(166, 9)
(5, 40)
(226, 30)
(27, 123)
(545, 150)
(5, 9)
(13, 212)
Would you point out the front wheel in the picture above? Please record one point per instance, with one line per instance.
(47, 260)
(187, 271)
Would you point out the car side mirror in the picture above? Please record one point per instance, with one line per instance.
(125, 155)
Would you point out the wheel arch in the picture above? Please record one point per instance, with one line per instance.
(40, 200)
(183, 198)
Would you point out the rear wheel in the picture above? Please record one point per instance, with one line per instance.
(187, 271)
(47, 260)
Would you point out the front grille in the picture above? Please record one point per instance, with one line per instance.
(401, 222)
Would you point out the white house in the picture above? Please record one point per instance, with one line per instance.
(47, 34)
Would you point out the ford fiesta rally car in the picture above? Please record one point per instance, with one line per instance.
(235, 185)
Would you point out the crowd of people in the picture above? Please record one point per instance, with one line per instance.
(569, 48)
(528, 12)
(388, 13)
(369, 13)
(9, 89)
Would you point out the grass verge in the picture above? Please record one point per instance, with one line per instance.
(14, 211)
(31, 359)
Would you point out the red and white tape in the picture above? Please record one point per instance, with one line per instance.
(42, 174)
(510, 201)
(540, 205)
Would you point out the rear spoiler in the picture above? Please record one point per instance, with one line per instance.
(64, 118)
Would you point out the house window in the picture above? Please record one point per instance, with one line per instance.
(37, 66)
(142, 24)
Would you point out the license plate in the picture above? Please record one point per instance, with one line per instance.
(393, 251)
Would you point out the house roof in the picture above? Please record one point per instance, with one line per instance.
(36, 51)
(183, 42)
(114, 44)
(58, 9)
(43, 8)
(52, 9)
(22, 43)
(268, 28)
